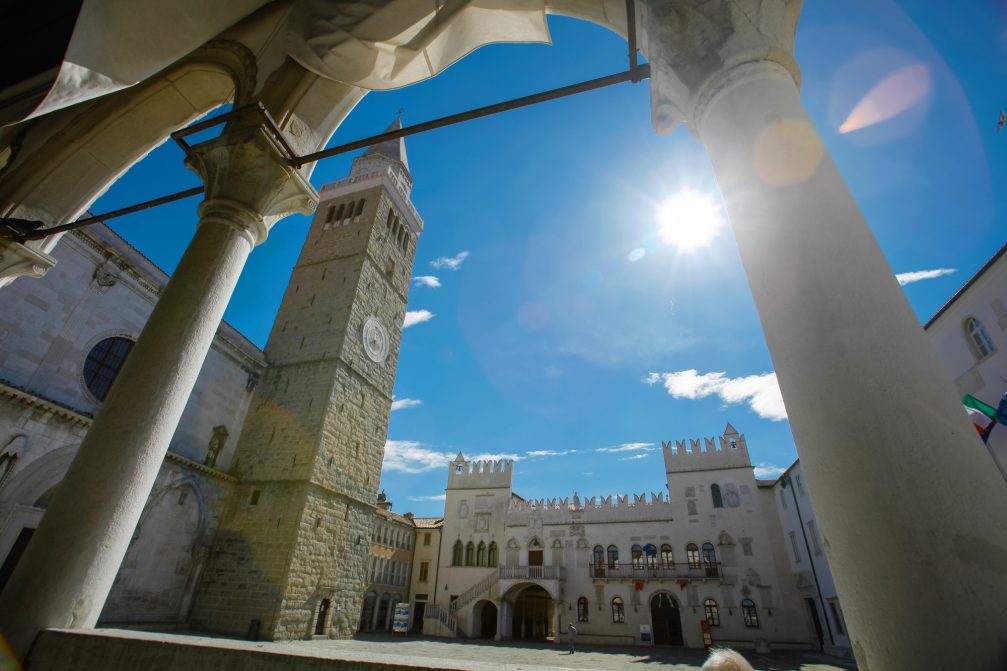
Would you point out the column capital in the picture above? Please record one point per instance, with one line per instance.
(249, 183)
(18, 260)
(696, 47)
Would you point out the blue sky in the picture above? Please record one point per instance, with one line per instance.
(566, 334)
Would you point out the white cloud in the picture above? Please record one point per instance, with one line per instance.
(409, 456)
(495, 456)
(766, 471)
(629, 447)
(432, 497)
(414, 317)
(450, 262)
(427, 281)
(760, 392)
(636, 456)
(404, 403)
(549, 453)
(917, 275)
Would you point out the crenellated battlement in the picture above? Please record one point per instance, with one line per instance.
(576, 503)
(726, 451)
(465, 474)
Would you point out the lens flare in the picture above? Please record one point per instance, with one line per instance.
(895, 94)
(689, 220)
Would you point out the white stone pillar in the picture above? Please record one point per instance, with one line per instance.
(912, 512)
(66, 573)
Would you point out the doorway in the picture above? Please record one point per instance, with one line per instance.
(532, 614)
(487, 620)
(665, 620)
(418, 610)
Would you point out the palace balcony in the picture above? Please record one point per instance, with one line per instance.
(670, 573)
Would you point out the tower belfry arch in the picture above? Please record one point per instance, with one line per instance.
(838, 327)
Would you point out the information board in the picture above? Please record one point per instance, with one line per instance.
(400, 620)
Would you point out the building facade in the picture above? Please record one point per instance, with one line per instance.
(636, 569)
(259, 521)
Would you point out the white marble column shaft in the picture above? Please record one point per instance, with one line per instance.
(910, 504)
(68, 568)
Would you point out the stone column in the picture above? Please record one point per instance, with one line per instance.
(66, 573)
(912, 512)
(557, 637)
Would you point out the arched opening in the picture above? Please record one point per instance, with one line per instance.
(665, 620)
(533, 614)
(323, 614)
(718, 500)
(384, 609)
(367, 611)
(485, 620)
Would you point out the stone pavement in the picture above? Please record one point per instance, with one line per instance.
(515, 656)
(122, 650)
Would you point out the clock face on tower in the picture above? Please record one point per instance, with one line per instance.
(375, 339)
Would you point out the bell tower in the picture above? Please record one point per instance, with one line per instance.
(290, 554)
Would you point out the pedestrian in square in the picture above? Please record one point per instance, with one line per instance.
(571, 634)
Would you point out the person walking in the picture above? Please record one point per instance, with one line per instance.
(571, 634)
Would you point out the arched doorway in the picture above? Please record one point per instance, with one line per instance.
(665, 620)
(323, 612)
(533, 612)
(485, 620)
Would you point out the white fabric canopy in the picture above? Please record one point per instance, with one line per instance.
(119, 43)
(387, 44)
(373, 44)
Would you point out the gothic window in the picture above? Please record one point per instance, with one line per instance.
(709, 555)
(103, 364)
(582, 611)
(692, 554)
(980, 342)
(456, 559)
(750, 613)
(493, 555)
(650, 551)
(667, 556)
(618, 611)
(637, 554)
(613, 556)
(712, 612)
(481, 554)
(718, 501)
(470, 554)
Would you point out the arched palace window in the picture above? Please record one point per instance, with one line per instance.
(613, 556)
(750, 613)
(712, 612)
(692, 555)
(493, 556)
(618, 611)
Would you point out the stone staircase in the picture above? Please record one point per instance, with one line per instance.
(448, 616)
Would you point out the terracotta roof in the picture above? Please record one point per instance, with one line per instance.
(428, 522)
(972, 280)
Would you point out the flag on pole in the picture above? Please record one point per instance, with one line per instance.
(983, 415)
(1001, 121)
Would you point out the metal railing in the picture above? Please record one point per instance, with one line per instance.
(652, 572)
(473, 592)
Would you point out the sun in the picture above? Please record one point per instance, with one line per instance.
(689, 220)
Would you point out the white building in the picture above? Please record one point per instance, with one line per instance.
(635, 569)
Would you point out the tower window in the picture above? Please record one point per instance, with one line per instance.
(103, 364)
(339, 212)
(330, 214)
(980, 341)
(360, 207)
(389, 220)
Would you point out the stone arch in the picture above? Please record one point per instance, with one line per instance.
(165, 557)
(39, 476)
(69, 158)
(484, 619)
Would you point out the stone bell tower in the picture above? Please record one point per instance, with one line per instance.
(290, 555)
